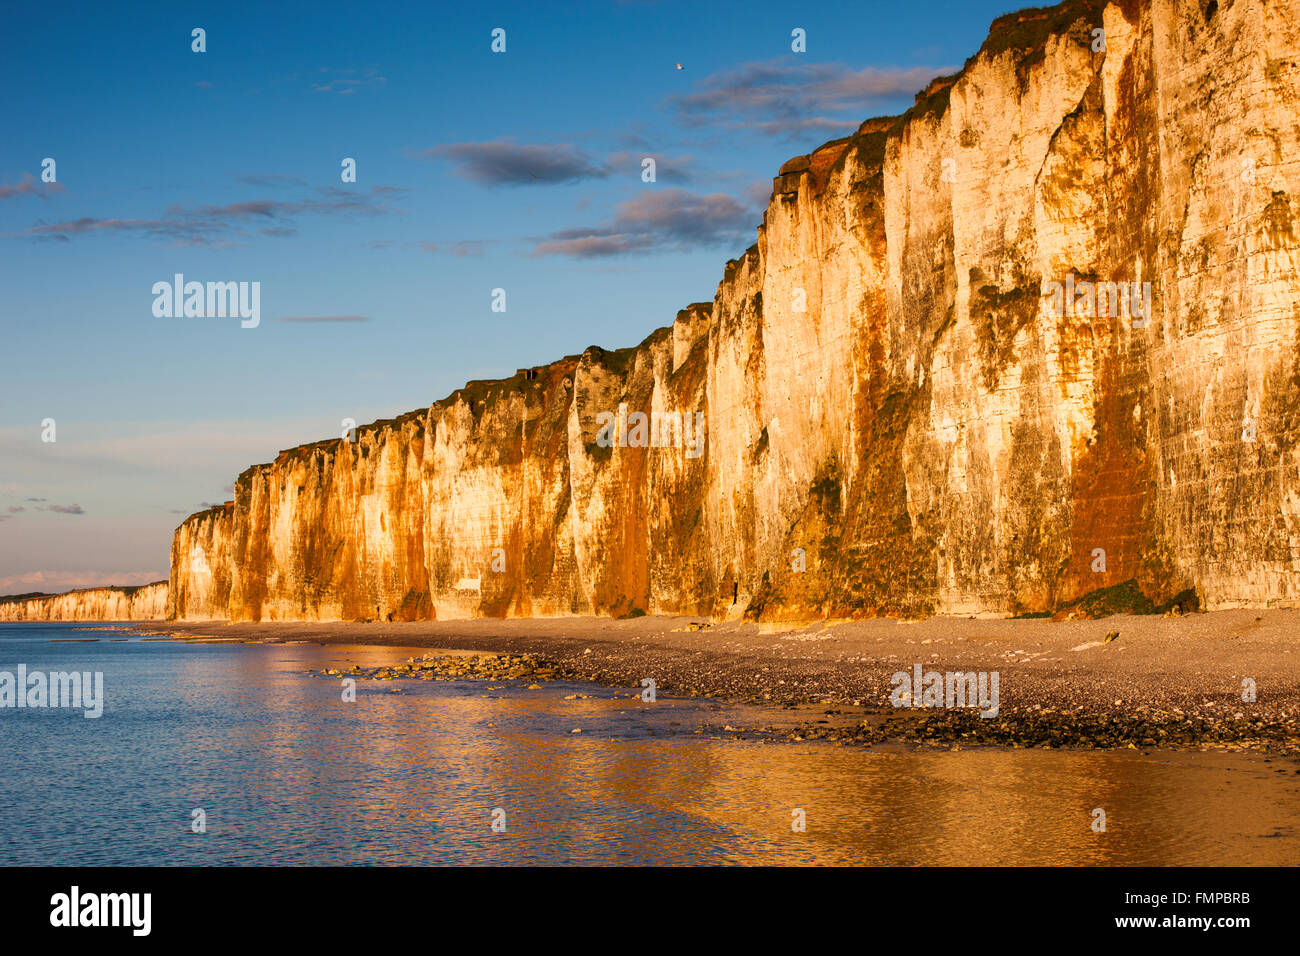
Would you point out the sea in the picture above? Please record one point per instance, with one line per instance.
(242, 754)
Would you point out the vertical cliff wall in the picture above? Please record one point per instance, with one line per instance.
(148, 602)
(899, 415)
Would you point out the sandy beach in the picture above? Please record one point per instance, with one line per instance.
(1163, 681)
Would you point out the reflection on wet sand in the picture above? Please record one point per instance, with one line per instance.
(290, 773)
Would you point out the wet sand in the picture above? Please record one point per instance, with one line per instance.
(1164, 681)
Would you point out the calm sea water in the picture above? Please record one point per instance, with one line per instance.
(287, 773)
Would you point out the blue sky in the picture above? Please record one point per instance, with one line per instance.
(475, 170)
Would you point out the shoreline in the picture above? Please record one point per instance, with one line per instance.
(1164, 682)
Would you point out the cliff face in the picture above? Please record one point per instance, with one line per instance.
(147, 602)
(902, 411)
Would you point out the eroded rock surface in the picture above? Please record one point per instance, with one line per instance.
(148, 602)
(884, 381)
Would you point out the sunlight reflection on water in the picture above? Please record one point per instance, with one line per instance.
(288, 773)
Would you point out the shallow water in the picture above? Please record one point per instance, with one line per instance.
(288, 773)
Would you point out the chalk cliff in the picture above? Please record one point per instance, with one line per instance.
(898, 420)
(148, 602)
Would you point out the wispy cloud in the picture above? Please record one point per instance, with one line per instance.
(323, 318)
(29, 185)
(213, 224)
(678, 170)
(463, 248)
(65, 509)
(466, 248)
(506, 163)
(346, 82)
(272, 179)
(787, 98)
(665, 220)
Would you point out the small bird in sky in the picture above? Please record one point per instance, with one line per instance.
(680, 67)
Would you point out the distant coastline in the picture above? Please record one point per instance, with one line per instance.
(141, 602)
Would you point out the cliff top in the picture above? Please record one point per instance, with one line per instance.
(127, 589)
